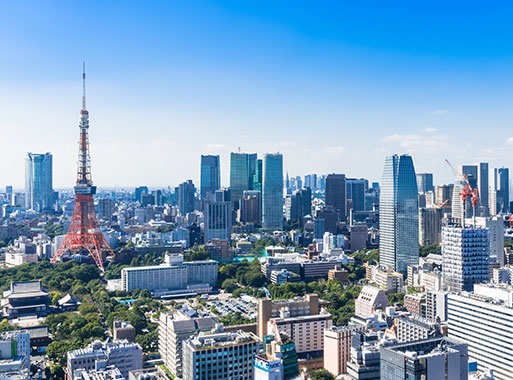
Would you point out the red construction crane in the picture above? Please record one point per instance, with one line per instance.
(277, 336)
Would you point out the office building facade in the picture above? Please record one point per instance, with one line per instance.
(242, 172)
(218, 221)
(272, 192)
(39, 182)
(210, 176)
(398, 214)
(425, 182)
(335, 194)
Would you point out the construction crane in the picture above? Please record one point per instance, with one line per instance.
(467, 191)
(277, 336)
(267, 292)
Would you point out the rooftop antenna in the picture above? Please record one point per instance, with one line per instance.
(83, 88)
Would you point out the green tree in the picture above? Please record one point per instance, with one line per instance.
(229, 285)
(321, 374)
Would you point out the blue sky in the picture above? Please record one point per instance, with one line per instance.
(334, 86)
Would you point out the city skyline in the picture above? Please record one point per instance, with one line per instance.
(309, 82)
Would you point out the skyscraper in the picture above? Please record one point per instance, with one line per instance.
(242, 171)
(38, 182)
(356, 189)
(210, 175)
(257, 178)
(471, 172)
(425, 182)
(336, 194)
(184, 195)
(398, 214)
(272, 192)
(482, 185)
(501, 188)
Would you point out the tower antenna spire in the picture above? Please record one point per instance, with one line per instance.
(83, 88)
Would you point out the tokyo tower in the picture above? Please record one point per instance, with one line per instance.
(84, 235)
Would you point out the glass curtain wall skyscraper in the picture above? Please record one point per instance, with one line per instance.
(242, 171)
(501, 188)
(210, 175)
(38, 182)
(272, 192)
(399, 214)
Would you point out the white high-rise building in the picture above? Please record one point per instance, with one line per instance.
(465, 256)
(495, 225)
(484, 320)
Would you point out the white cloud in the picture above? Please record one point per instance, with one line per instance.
(509, 141)
(430, 129)
(217, 147)
(417, 143)
(440, 112)
(335, 150)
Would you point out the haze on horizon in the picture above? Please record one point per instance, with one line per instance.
(334, 86)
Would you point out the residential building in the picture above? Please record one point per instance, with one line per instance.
(385, 278)
(369, 300)
(175, 328)
(436, 306)
(415, 303)
(398, 214)
(484, 320)
(430, 225)
(412, 328)
(243, 168)
(173, 275)
(272, 192)
(121, 354)
(495, 226)
(429, 359)
(337, 346)
(465, 256)
(104, 209)
(220, 355)
(210, 176)
(218, 221)
(335, 195)
(39, 182)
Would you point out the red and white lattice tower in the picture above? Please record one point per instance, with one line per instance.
(84, 235)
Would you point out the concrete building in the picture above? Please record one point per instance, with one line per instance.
(415, 303)
(220, 355)
(14, 353)
(364, 358)
(123, 331)
(218, 221)
(272, 192)
(495, 226)
(250, 210)
(399, 214)
(174, 274)
(430, 225)
(122, 355)
(369, 300)
(413, 328)
(175, 328)
(429, 359)
(297, 307)
(436, 306)
(338, 274)
(358, 234)
(465, 256)
(484, 319)
(337, 346)
(305, 331)
(385, 278)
